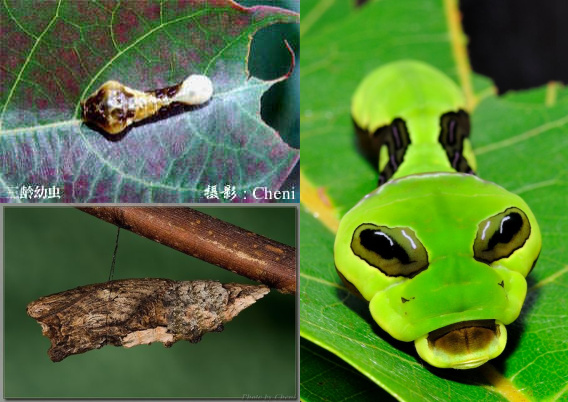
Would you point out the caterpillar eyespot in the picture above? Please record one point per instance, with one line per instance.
(114, 106)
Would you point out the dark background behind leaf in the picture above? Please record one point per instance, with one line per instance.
(518, 43)
(269, 58)
(49, 250)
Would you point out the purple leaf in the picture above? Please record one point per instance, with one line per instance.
(57, 53)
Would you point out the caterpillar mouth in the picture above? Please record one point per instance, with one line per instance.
(463, 345)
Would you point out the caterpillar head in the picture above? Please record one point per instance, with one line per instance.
(110, 108)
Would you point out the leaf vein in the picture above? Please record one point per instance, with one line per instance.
(25, 64)
(522, 137)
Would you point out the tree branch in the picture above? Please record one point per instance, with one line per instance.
(202, 236)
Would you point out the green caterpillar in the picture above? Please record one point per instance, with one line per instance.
(440, 254)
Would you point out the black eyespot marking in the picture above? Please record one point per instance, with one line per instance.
(394, 136)
(510, 226)
(500, 235)
(397, 140)
(502, 284)
(454, 129)
(383, 245)
(394, 251)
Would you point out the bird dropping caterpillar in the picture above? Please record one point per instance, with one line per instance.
(114, 106)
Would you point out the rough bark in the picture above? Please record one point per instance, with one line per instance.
(132, 312)
(202, 236)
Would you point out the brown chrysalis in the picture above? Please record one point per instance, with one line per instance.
(142, 311)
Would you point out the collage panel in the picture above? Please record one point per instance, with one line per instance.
(433, 216)
(179, 303)
(149, 101)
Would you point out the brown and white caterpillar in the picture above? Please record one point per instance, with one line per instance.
(114, 106)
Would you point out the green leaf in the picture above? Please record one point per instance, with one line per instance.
(57, 53)
(521, 144)
(324, 377)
